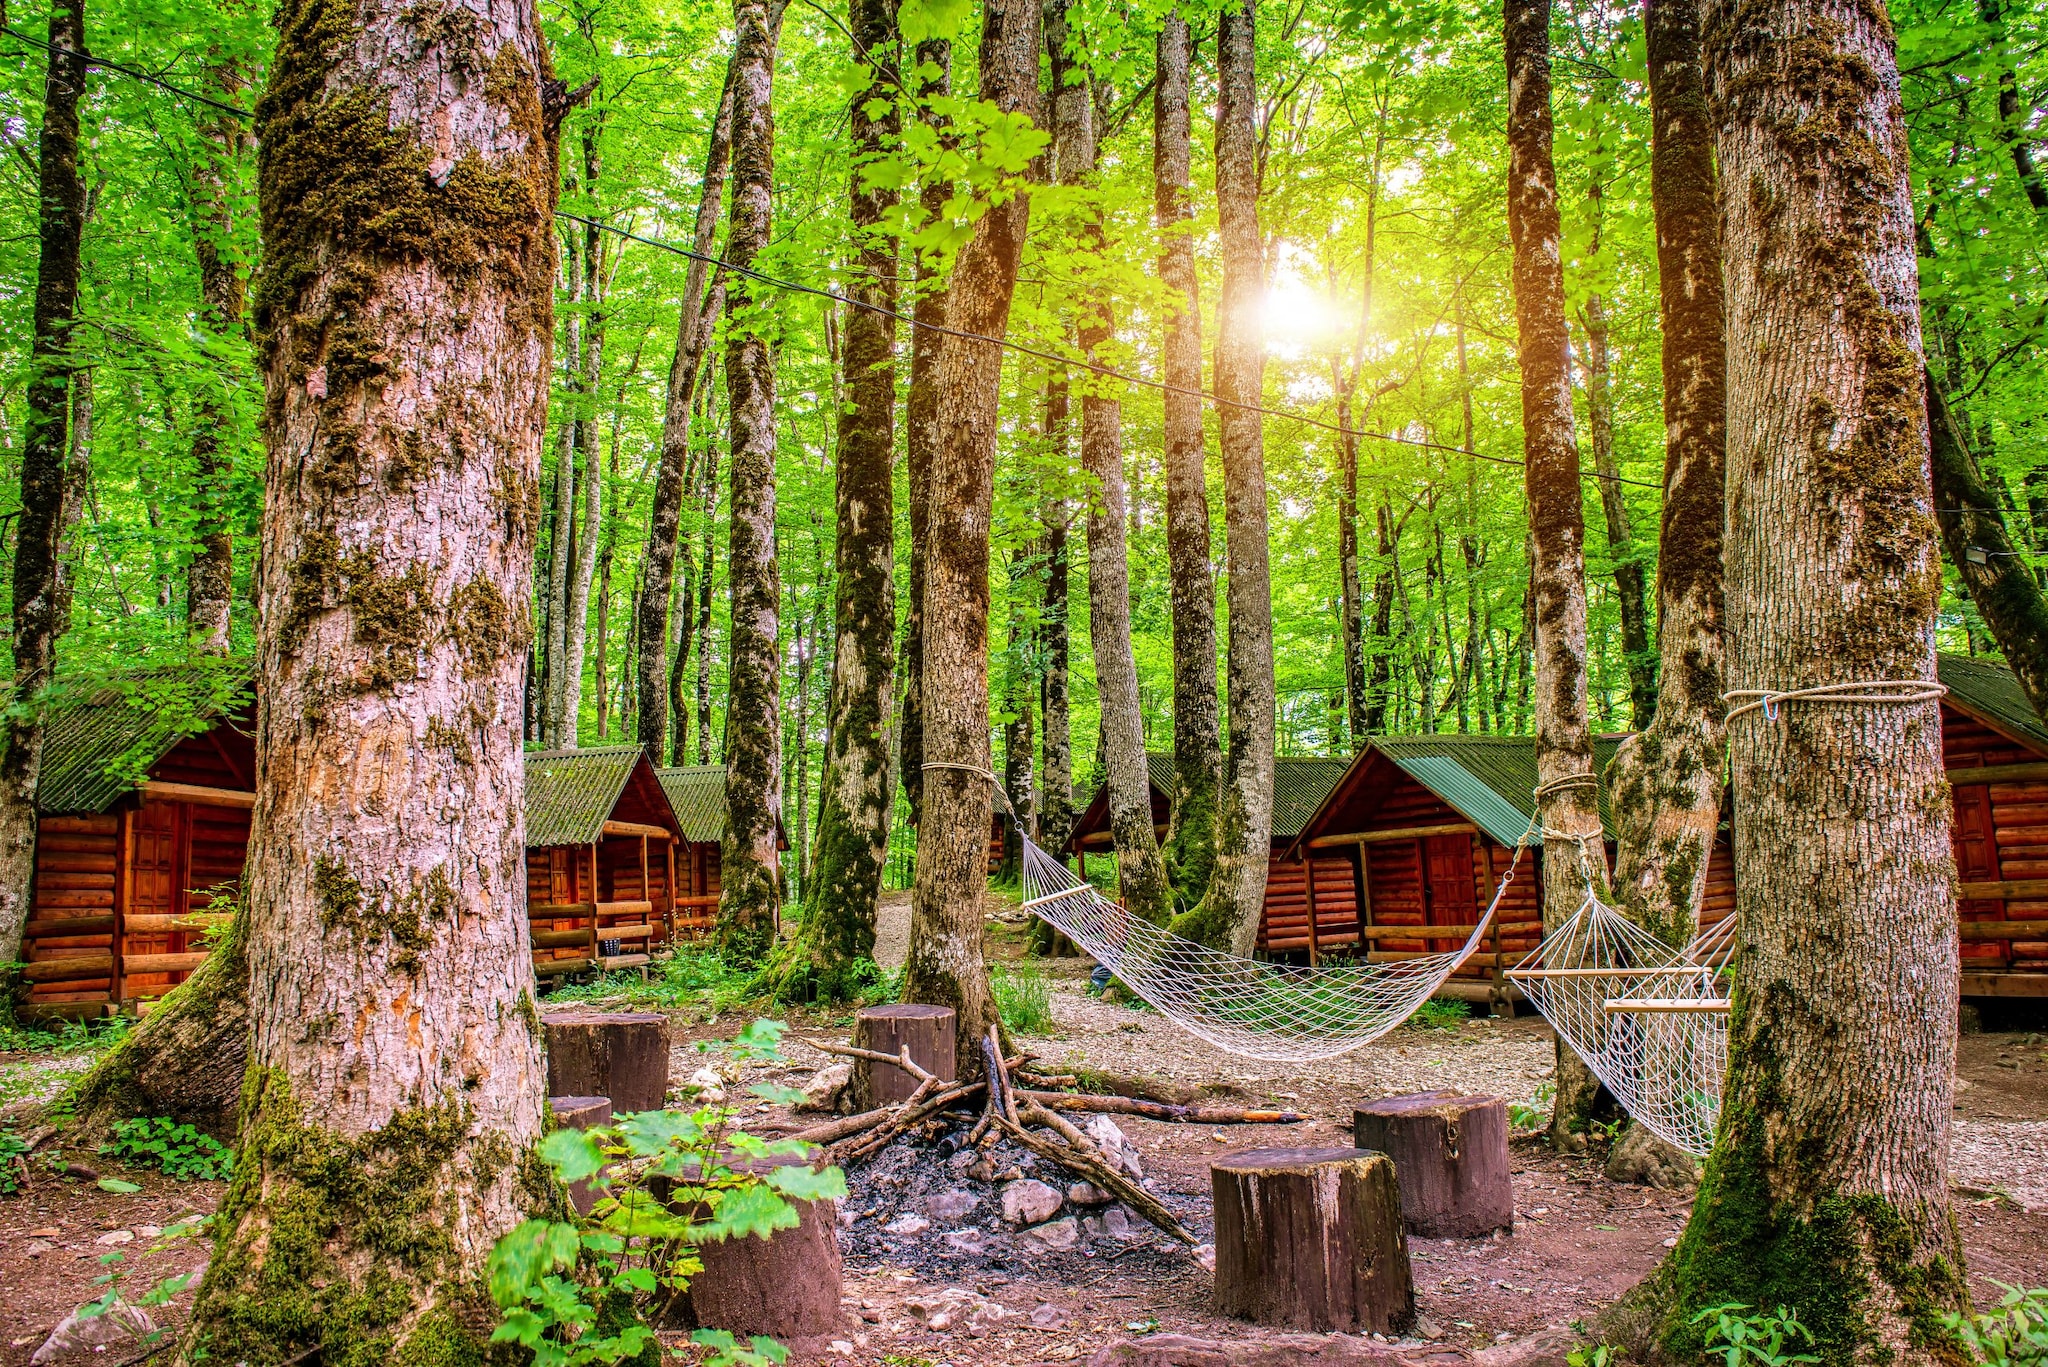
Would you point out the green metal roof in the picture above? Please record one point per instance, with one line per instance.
(1993, 692)
(570, 794)
(697, 792)
(1300, 783)
(1490, 779)
(103, 738)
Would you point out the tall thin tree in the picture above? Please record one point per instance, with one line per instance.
(223, 145)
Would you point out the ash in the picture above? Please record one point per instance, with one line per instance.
(930, 1204)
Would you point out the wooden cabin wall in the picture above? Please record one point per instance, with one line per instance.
(697, 883)
(2000, 834)
(70, 934)
(557, 876)
(1283, 925)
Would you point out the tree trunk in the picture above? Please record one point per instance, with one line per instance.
(945, 966)
(2013, 117)
(590, 481)
(664, 516)
(1566, 797)
(750, 892)
(40, 530)
(1629, 581)
(1381, 678)
(210, 581)
(562, 539)
(1056, 771)
(2007, 595)
(395, 1070)
(921, 431)
(1828, 1186)
(854, 795)
(1197, 746)
(1664, 785)
(1229, 915)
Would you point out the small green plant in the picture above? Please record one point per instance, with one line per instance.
(1533, 1114)
(1596, 1355)
(1763, 1340)
(2013, 1335)
(1023, 997)
(1441, 1014)
(582, 1292)
(13, 1162)
(176, 1150)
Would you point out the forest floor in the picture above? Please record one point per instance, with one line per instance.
(991, 1296)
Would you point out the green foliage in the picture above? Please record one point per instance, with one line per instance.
(1595, 1355)
(2013, 1335)
(1442, 1013)
(1023, 997)
(70, 1037)
(174, 1149)
(13, 1162)
(1744, 1339)
(1533, 1114)
(576, 1292)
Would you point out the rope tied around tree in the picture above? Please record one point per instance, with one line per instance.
(1877, 691)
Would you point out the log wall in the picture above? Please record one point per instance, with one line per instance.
(2000, 834)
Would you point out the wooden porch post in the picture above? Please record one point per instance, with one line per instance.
(124, 870)
(1308, 865)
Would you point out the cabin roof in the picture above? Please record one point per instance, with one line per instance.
(697, 792)
(1300, 783)
(570, 794)
(1991, 693)
(104, 737)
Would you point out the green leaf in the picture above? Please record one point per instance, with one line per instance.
(573, 1154)
(117, 1186)
(808, 1184)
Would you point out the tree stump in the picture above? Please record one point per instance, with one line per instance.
(786, 1286)
(928, 1033)
(581, 1113)
(619, 1054)
(1311, 1239)
(1451, 1154)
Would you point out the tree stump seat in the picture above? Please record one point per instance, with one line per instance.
(618, 1054)
(1451, 1155)
(786, 1286)
(1311, 1239)
(581, 1113)
(927, 1031)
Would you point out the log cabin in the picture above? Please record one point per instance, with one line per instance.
(143, 825)
(1300, 783)
(1995, 750)
(601, 859)
(697, 793)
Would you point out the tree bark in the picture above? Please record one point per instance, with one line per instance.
(1664, 784)
(2013, 117)
(210, 580)
(855, 794)
(750, 892)
(562, 519)
(1829, 1180)
(945, 966)
(395, 1064)
(590, 481)
(1629, 579)
(665, 513)
(45, 446)
(1567, 792)
(1197, 746)
(1229, 915)
(921, 430)
(1380, 679)
(1056, 770)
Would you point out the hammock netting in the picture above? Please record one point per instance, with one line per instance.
(1650, 1021)
(1242, 1006)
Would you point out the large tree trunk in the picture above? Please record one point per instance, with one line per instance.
(1664, 785)
(934, 62)
(750, 892)
(1197, 745)
(1629, 579)
(210, 580)
(40, 529)
(2007, 595)
(1828, 1187)
(665, 513)
(1229, 915)
(855, 796)
(945, 966)
(1574, 856)
(395, 1073)
(2014, 119)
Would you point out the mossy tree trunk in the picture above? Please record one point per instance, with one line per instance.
(1574, 855)
(224, 143)
(395, 1075)
(1228, 917)
(671, 476)
(44, 452)
(945, 965)
(934, 65)
(1197, 744)
(1664, 784)
(562, 511)
(855, 795)
(750, 892)
(1345, 379)
(1828, 1185)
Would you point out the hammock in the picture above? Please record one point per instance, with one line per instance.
(1650, 1021)
(1242, 1006)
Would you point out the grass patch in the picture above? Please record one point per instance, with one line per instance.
(1023, 997)
(1439, 1013)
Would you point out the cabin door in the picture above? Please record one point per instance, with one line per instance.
(1449, 896)
(1976, 847)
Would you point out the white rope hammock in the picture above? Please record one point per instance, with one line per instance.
(1243, 1006)
(1650, 1021)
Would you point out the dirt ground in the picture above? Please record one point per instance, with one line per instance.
(1578, 1242)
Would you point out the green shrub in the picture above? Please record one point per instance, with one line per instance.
(1023, 997)
(13, 1162)
(584, 1291)
(1439, 1013)
(175, 1150)
(1762, 1340)
(1533, 1114)
(2013, 1335)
